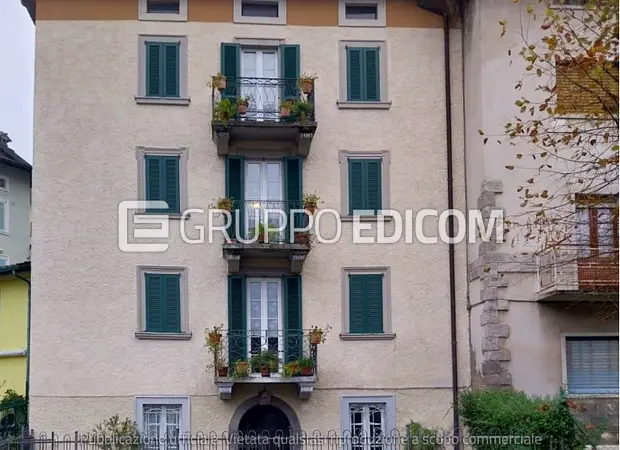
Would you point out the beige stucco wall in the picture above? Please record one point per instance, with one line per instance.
(86, 361)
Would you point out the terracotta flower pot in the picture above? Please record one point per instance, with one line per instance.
(307, 86)
(302, 238)
(310, 209)
(285, 112)
(315, 337)
(220, 84)
(306, 372)
(222, 371)
(242, 108)
(215, 338)
(265, 372)
(242, 367)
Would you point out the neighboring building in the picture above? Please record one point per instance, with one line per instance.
(537, 323)
(122, 113)
(14, 298)
(15, 182)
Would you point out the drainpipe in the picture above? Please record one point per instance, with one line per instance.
(27, 351)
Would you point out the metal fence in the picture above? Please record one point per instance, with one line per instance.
(286, 441)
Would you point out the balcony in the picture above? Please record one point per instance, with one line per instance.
(274, 357)
(248, 115)
(255, 246)
(577, 270)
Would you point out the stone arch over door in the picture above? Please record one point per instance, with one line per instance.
(265, 399)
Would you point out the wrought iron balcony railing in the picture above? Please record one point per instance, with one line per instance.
(249, 218)
(576, 268)
(263, 353)
(246, 99)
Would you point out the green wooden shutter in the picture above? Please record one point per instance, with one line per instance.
(235, 189)
(289, 70)
(373, 184)
(293, 186)
(293, 333)
(163, 303)
(230, 60)
(357, 191)
(171, 70)
(153, 74)
(162, 181)
(153, 302)
(354, 74)
(237, 325)
(172, 303)
(372, 90)
(374, 303)
(357, 302)
(154, 180)
(171, 183)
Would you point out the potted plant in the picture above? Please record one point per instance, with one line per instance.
(264, 362)
(214, 336)
(311, 202)
(292, 369)
(317, 335)
(218, 81)
(285, 108)
(222, 371)
(306, 82)
(242, 104)
(263, 232)
(302, 110)
(241, 368)
(302, 237)
(224, 203)
(225, 110)
(306, 366)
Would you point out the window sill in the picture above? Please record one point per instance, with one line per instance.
(162, 101)
(163, 336)
(260, 20)
(367, 337)
(363, 105)
(587, 396)
(367, 218)
(361, 23)
(173, 216)
(150, 17)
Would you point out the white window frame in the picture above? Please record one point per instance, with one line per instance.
(264, 281)
(556, 4)
(163, 17)
(185, 333)
(142, 98)
(5, 259)
(380, 21)
(565, 367)
(6, 187)
(184, 420)
(389, 420)
(5, 226)
(280, 20)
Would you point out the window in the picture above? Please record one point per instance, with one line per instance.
(4, 183)
(370, 419)
(361, 13)
(4, 261)
(164, 10)
(591, 364)
(163, 70)
(364, 183)
(363, 75)
(596, 230)
(162, 419)
(163, 302)
(366, 303)
(4, 216)
(568, 3)
(260, 11)
(162, 176)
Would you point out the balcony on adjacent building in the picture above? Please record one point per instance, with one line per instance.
(577, 271)
(265, 356)
(263, 114)
(275, 246)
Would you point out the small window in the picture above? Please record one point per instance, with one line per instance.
(363, 75)
(368, 417)
(161, 420)
(259, 9)
(364, 186)
(4, 216)
(163, 10)
(592, 364)
(163, 70)
(4, 183)
(570, 3)
(163, 302)
(361, 12)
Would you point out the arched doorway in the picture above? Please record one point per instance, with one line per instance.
(265, 423)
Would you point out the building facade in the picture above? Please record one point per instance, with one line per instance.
(539, 322)
(123, 111)
(15, 182)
